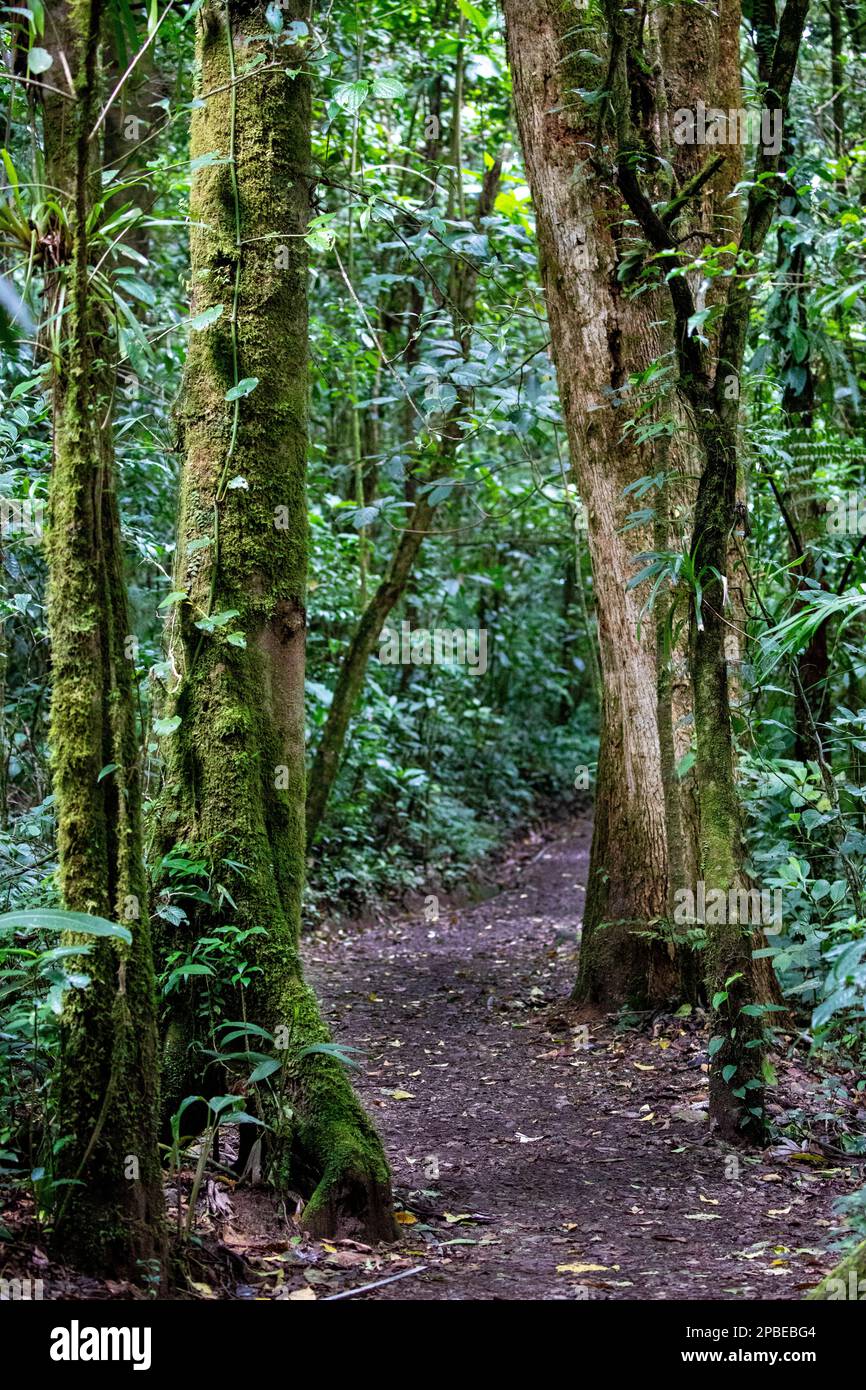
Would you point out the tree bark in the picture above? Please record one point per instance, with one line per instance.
(600, 337)
(734, 978)
(111, 1218)
(237, 759)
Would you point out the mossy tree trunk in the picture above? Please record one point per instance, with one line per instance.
(235, 784)
(846, 1281)
(111, 1217)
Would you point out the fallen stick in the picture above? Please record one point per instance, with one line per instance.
(365, 1288)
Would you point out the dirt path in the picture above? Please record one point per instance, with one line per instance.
(588, 1169)
(535, 1155)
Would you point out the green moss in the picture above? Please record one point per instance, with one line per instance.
(108, 1220)
(846, 1281)
(235, 788)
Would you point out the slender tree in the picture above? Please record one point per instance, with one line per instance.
(111, 1216)
(350, 678)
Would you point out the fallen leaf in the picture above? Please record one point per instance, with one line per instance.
(584, 1269)
(405, 1218)
(402, 1095)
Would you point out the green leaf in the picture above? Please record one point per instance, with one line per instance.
(137, 288)
(206, 318)
(265, 1068)
(243, 388)
(164, 727)
(56, 919)
(352, 95)
(39, 60)
(109, 767)
(728, 1071)
(686, 763)
(176, 596)
(335, 1050)
(715, 1044)
(388, 88)
(474, 15)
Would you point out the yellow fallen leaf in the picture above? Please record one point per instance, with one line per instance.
(643, 1066)
(402, 1095)
(452, 1219)
(331, 1249)
(664, 1043)
(713, 1201)
(650, 1116)
(303, 1296)
(405, 1218)
(584, 1269)
(779, 1211)
(202, 1288)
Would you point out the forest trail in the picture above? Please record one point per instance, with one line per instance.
(596, 1159)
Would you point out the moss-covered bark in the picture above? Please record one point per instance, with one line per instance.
(111, 1216)
(736, 1081)
(235, 787)
(846, 1281)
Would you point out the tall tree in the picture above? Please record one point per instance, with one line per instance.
(236, 778)
(111, 1217)
(601, 337)
(709, 384)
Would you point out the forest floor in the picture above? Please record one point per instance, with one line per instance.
(536, 1153)
(533, 1162)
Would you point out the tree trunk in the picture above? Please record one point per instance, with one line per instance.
(846, 1281)
(237, 761)
(733, 977)
(111, 1218)
(600, 337)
